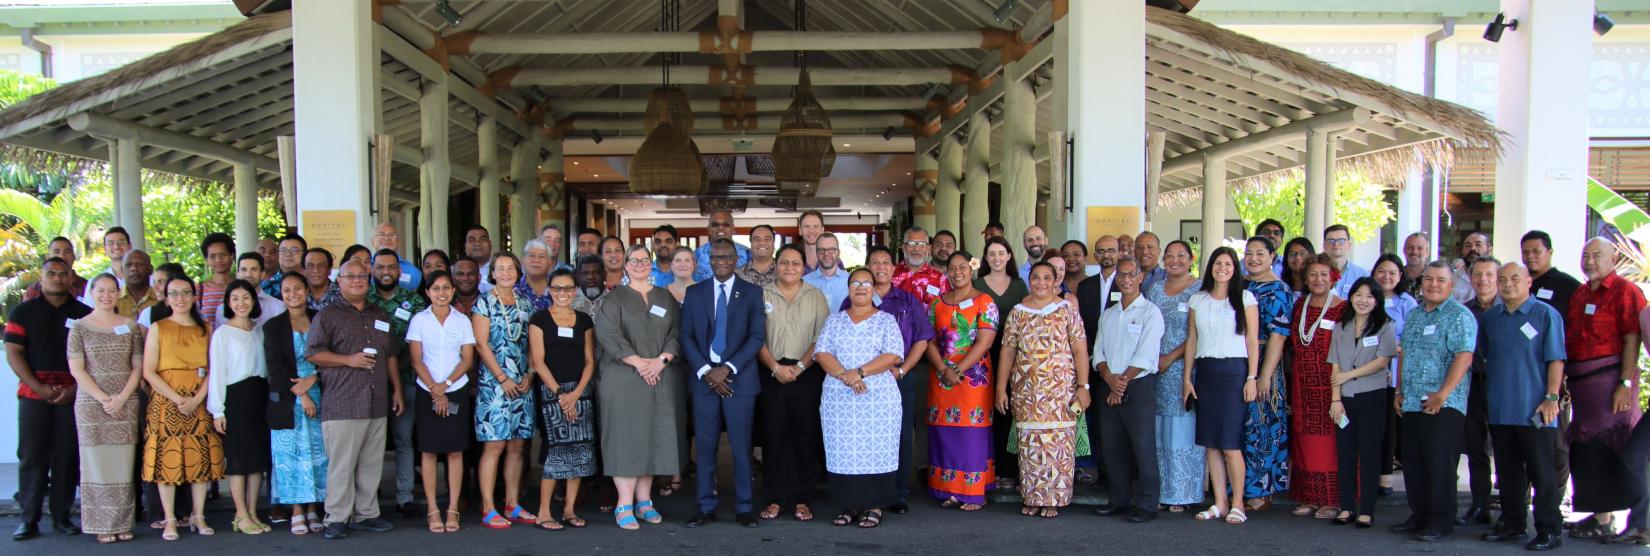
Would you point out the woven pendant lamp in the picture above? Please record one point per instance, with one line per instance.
(668, 104)
(802, 152)
(667, 164)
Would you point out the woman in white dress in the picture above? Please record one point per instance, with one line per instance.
(859, 409)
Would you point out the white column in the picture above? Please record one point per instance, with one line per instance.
(1100, 75)
(1541, 182)
(1331, 151)
(976, 186)
(335, 76)
(1319, 172)
(1019, 180)
(947, 192)
(1411, 212)
(1214, 206)
(925, 179)
(523, 203)
(127, 169)
(435, 173)
(487, 157)
(246, 207)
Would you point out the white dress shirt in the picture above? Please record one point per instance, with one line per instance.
(1106, 283)
(235, 355)
(268, 308)
(442, 345)
(1132, 337)
(717, 289)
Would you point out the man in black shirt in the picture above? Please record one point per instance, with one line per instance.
(1553, 287)
(1483, 272)
(37, 335)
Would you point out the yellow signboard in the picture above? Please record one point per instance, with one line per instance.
(333, 230)
(1111, 221)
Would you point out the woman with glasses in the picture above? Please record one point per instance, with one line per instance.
(790, 387)
(179, 446)
(1296, 254)
(299, 475)
(859, 406)
(441, 343)
(959, 394)
(504, 406)
(562, 349)
(1266, 429)
(1043, 347)
(642, 403)
(998, 278)
(1222, 359)
(106, 361)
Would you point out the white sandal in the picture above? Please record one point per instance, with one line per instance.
(315, 524)
(1210, 514)
(298, 526)
(1236, 517)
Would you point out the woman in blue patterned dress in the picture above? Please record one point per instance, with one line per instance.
(504, 402)
(859, 409)
(1266, 428)
(300, 471)
(1180, 463)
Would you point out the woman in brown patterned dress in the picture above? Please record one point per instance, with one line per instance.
(1043, 346)
(106, 360)
(179, 447)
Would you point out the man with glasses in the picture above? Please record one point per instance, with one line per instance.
(1148, 253)
(1337, 243)
(116, 242)
(912, 373)
(1271, 229)
(352, 347)
(400, 304)
(386, 237)
(720, 226)
(914, 274)
(762, 269)
(1035, 242)
(664, 247)
(1096, 293)
(37, 334)
(1126, 357)
(830, 277)
(289, 258)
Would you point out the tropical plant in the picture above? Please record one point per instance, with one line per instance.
(1358, 202)
(29, 224)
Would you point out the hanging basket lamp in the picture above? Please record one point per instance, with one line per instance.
(668, 104)
(802, 152)
(667, 164)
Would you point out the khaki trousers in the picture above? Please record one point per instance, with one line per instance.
(355, 462)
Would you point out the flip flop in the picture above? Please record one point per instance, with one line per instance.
(770, 512)
(549, 525)
(518, 515)
(494, 521)
(803, 513)
(573, 521)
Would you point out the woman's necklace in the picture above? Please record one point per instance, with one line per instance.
(1306, 332)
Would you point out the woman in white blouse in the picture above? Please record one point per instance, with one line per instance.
(237, 397)
(442, 345)
(1222, 353)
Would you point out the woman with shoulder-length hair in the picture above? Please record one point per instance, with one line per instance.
(1222, 359)
(562, 350)
(1296, 254)
(106, 361)
(179, 446)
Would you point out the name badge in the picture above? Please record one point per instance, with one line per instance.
(274, 397)
(1326, 324)
(1116, 296)
(69, 323)
(1387, 302)
(1182, 307)
(965, 304)
(1371, 341)
(200, 372)
(122, 330)
(402, 314)
(933, 290)
(564, 332)
(1135, 328)
(406, 278)
(1589, 309)
(1544, 293)
(657, 311)
(767, 307)
(1429, 330)
(1529, 331)
(381, 325)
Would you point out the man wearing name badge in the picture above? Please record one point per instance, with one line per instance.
(478, 247)
(914, 274)
(352, 349)
(1553, 287)
(1602, 341)
(719, 224)
(400, 304)
(1522, 344)
(912, 373)
(1436, 350)
(37, 335)
(289, 259)
(1126, 358)
(249, 266)
(138, 294)
(1035, 243)
(1337, 243)
(724, 325)
(830, 277)
(1476, 436)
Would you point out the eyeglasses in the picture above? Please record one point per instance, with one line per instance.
(1129, 275)
(290, 251)
(1299, 254)
(1336, 241)
(861, 284)
(827, 250)
(915, 243)
(638, 261)
(563, 288)
(353, 277)
(724, 257)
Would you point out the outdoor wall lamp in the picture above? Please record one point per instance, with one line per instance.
(1492, 32)
(1602, 23)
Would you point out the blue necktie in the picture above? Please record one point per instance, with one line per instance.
(719, 341)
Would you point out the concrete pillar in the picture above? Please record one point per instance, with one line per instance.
(1100, 75)
(926, 180)
(435, 173)
(1214, 206)
(487, 159)
(948, 189)
(1319, 172)
(1330, 153)
(524, 203)
(1411, 210)
(552, 184)
(1541, 182)
(126, 165)
(1019, 180)
(246, 207)
(335, 77)
(976, 186)
(405, 222)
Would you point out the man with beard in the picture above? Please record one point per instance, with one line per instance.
(478, 246)
(589, 243)
(1035, 242)
(249, 267)
(400, 304)
(1476, 244)
(1417, 251)
(1096, 292)
(944, 243)
(466, 284)
(720, 226)
(589, 277)
(386, 237)
(664, 245)
(550, 234)
(762, 269)
(830, 277)
(810, 226)
(289, 258)
(914, 274)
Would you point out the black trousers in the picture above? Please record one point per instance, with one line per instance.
(1476, 438)
(1636, 455)
(789, 419)
(1524, 456)
(1358, 450)
(1561, 450)
(1390, 449)
(1130, 436)
(913, 428)
(1007, 464)
(48, 459)
(1431, 449)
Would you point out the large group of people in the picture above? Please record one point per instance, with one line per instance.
(1203, 388)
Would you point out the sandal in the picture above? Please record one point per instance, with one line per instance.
(518, 515)
(170, 527)
(1364, 522)
(1028, 511)
(1591, 529)
(648, 514)
(626, 517)
(1084, 477)
(436, 525)
(669, 489)
(494, 521)
(1236, 517)
(871, 519)
(1213, 513)
(1303, 510)
(1342, 518)
(197, 523)
(548, 524)
(299, 525)
(803, 513)
(770, 512)
(245, 526)
(971, 507)
(1326, 512)
(107, 539)
(451, 526)
(315, 523)
(1257, 504)
(124, 536)
(951, 502)
(1177, 509)
(843, 519)
(1050, 512)
(573, 521)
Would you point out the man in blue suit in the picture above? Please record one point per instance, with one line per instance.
(724, 325)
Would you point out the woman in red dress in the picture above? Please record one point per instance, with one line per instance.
(1313, 466)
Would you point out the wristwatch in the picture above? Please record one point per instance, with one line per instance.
(1628, 384)
(446, 382)
(1251, 377)
(1551, 397)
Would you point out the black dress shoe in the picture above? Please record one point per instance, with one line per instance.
(25, 531)
(1544, 542)
(1338, 520)
(1474, 516)
(1405, 528)
(701, 518)
(747, 519)
(336, 531)
(1429, 535)
(1141, 515)
(900, 508)
(1383, 491)
(1109, 510)
(65, 528)
(1505, 535)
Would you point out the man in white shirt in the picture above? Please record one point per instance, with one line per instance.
(250, 267)
(1125, 356)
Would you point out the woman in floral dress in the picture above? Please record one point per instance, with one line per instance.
(959, 396)
(1043, 347)
(299, 477)
(1180, 465)
(504, 403)
(1266, 429)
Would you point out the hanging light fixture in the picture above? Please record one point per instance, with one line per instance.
(668, 162)
(802, 152)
